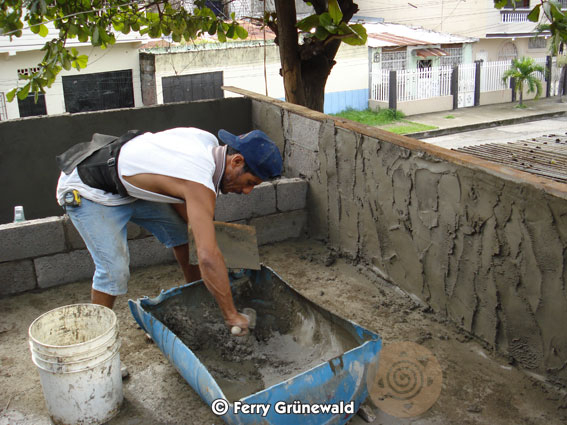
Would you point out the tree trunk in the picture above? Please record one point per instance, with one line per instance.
(288, 43)
(305, 69)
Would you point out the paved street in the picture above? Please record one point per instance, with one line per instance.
(502, 134)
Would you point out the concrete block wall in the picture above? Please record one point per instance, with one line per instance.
(42, 253)
(483, 244)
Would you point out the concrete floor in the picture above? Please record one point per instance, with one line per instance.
(479, 386)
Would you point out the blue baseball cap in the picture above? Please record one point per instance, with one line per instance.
(259, 152)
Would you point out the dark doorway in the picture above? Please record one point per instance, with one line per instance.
(187, 88)
(29, 108)
(99, 91)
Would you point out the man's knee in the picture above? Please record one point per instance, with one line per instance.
(113, 281)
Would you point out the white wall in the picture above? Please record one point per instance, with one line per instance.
(243, 67)
(470, 18)
(117, 57)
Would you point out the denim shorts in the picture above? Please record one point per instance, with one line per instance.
(103, 229)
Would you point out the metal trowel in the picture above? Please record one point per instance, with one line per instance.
(237, 243)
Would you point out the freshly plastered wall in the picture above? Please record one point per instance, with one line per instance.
(484, 244)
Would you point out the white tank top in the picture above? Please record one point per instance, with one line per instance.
(184, 153)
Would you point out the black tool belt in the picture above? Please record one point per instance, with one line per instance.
(97, 161)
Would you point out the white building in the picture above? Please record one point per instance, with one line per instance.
(111, 79)
(503, 34)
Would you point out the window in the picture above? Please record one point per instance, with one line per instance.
(455, 56)
(28, 71)
(537, 43)
(30, 108)
(507, 52)
(394, 60)
(3, 111)
(98, 91)
(187, 88)
(517, 4)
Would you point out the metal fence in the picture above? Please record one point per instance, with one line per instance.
(434, 82)
(491, 75)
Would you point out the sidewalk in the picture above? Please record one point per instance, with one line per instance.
(479, 117)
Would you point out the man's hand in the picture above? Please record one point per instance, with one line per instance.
(239, 324)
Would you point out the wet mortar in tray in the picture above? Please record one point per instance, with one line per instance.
(291, 336)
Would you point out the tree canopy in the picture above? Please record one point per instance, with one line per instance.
(97, 22)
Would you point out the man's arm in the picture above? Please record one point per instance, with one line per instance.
(200, 202)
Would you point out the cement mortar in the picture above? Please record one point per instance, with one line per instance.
(488, 253)
(290, 337)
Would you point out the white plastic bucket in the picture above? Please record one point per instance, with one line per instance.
(76, 351)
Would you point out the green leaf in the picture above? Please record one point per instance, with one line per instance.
(221, 35)
(95, 38)
(335, 11)
(82, 61)
(213, 28)
(83, 36)
(556, 11)
(321, 33)
(307, 24)
(43, 31)
(24, 91)
(230, 32)
(534, 14)
(241, 32)
(66, 63)
(499, 4)
(325, 19)
(10, 95)
(73, 30)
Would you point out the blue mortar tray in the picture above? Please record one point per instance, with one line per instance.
(338, 382)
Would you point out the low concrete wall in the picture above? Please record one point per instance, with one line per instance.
(47, 252)
(28, 171)
(436, 104)
(492, 97)
(376, 105)
(413, 107)
(481, 243)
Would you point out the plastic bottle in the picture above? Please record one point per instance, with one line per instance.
(19, 214)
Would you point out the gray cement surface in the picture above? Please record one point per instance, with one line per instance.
(478, 385)
(502, 134)
(483, 115)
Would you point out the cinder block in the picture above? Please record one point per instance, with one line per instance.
(268, 118)
(261, 201)
(291, 194)
(149, 252)
(300, 161)
(75, 241)
(279, 227)
(302, 131)
(63, 268)
(16, 276)
(32, 238)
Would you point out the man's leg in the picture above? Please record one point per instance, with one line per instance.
(101, 298)
(104, 231)
(170, 229)
(191, 272)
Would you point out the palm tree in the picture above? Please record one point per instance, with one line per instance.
(523, 71)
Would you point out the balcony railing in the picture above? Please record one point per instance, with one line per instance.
(509, 16)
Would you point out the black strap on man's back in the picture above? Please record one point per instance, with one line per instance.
(100, 168)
